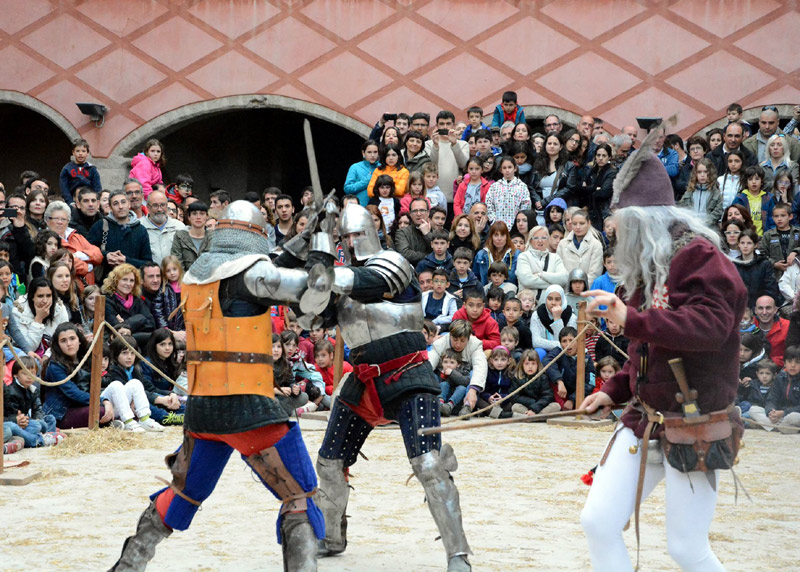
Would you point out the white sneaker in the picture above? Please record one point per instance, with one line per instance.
(117, 424)
(134, 427)
(151, 425)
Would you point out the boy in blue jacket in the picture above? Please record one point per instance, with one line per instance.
(508, 110)
(78, 173)
(563, 375)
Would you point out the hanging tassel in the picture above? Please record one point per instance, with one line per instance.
(588, 478)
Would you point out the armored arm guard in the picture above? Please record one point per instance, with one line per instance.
(310, 288)
(385, 273)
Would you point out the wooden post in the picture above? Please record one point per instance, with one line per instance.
(97, 363)
(338, 358)
(580, 374)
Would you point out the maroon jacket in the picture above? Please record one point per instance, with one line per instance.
(706, 302)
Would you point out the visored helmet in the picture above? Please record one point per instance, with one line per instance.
(356, 219)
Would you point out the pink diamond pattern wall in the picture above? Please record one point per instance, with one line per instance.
(616, 60)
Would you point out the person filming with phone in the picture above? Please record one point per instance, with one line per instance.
(14, 231)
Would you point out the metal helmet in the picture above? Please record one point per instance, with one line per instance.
(578, 275)
(356, 218)
(244, 212)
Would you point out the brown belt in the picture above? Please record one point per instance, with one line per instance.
(228, 357)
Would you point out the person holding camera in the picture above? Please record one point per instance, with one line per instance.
(447, 152)
(14, 231)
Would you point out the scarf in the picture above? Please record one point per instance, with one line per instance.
(547, 319)
(127, 303)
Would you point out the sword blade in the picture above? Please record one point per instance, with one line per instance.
(312, 165)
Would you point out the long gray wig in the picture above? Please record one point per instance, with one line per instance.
(646, 242)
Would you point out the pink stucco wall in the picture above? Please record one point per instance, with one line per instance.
(616, 60)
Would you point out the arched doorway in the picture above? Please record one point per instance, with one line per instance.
(247, 143)
(30, 141)
(535, 115)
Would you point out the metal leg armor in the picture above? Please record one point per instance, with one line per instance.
(433, 470)
(343, 440)
(140, 548)
(299, 543)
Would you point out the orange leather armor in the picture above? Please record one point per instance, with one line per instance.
(225, 355)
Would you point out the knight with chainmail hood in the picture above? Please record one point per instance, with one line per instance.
(680, 303)
(227, 296)
(380, 316)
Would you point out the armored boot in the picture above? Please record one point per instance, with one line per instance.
(140, 548)
(433, 469)
(334, 492)
(299, 543)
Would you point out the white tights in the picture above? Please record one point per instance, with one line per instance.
(611, 503)
(121, 396)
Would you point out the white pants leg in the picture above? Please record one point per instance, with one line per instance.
(689, 516)
(135, 392)
(759, 414)
(611, 503)
(116, 394)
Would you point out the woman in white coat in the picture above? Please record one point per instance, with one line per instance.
(38, 313)
(581, 248)
(537, 267)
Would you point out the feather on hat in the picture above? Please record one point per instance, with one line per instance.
(642, 180)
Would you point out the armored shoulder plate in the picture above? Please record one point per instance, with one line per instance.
(394, 268)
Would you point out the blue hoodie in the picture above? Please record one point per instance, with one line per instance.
(73, 176)
(358, 177)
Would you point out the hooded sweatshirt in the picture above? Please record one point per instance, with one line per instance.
(484, 328)
(146, 172)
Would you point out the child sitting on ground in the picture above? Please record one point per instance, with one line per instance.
(783, 400)
(753, 391)
(431, 333)
(288, 392)
(537, 396)
(509, 337)
(563, 374)
(123, 368)
(304, 373)
(512, 314)
(121, 388)
(604, 348)
(454, 379)
(751, 351)
(498, 383)
(22, 408)
(323, 354)
(607, 368)
(471, 356)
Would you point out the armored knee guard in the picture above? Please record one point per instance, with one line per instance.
(286, 470)
(140, 548)
(433, 470)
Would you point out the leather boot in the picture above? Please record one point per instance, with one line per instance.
(299, 543)
(333, 495)
(140, 548)
(433, 471)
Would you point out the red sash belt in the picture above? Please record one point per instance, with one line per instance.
(370, 408)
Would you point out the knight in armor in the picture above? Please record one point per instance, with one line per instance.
(379, 312)
(228, 293)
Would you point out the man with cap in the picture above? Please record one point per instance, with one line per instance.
(381, 319)
(682, 299)
(227, 295)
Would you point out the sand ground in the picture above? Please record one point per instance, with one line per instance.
(520, 491)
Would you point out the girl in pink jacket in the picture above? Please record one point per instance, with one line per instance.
(146, 166)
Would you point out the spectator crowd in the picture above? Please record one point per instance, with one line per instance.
(504, 226)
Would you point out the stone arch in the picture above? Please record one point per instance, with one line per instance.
(17, 98)
(750, 114)
(177, 118)
(539, 112)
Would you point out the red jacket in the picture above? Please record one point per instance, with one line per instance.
(699, 323)
(461, 193)
(484, 328)
(327, 375)
(776, 336)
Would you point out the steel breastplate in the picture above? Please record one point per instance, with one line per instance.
(363, 323)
